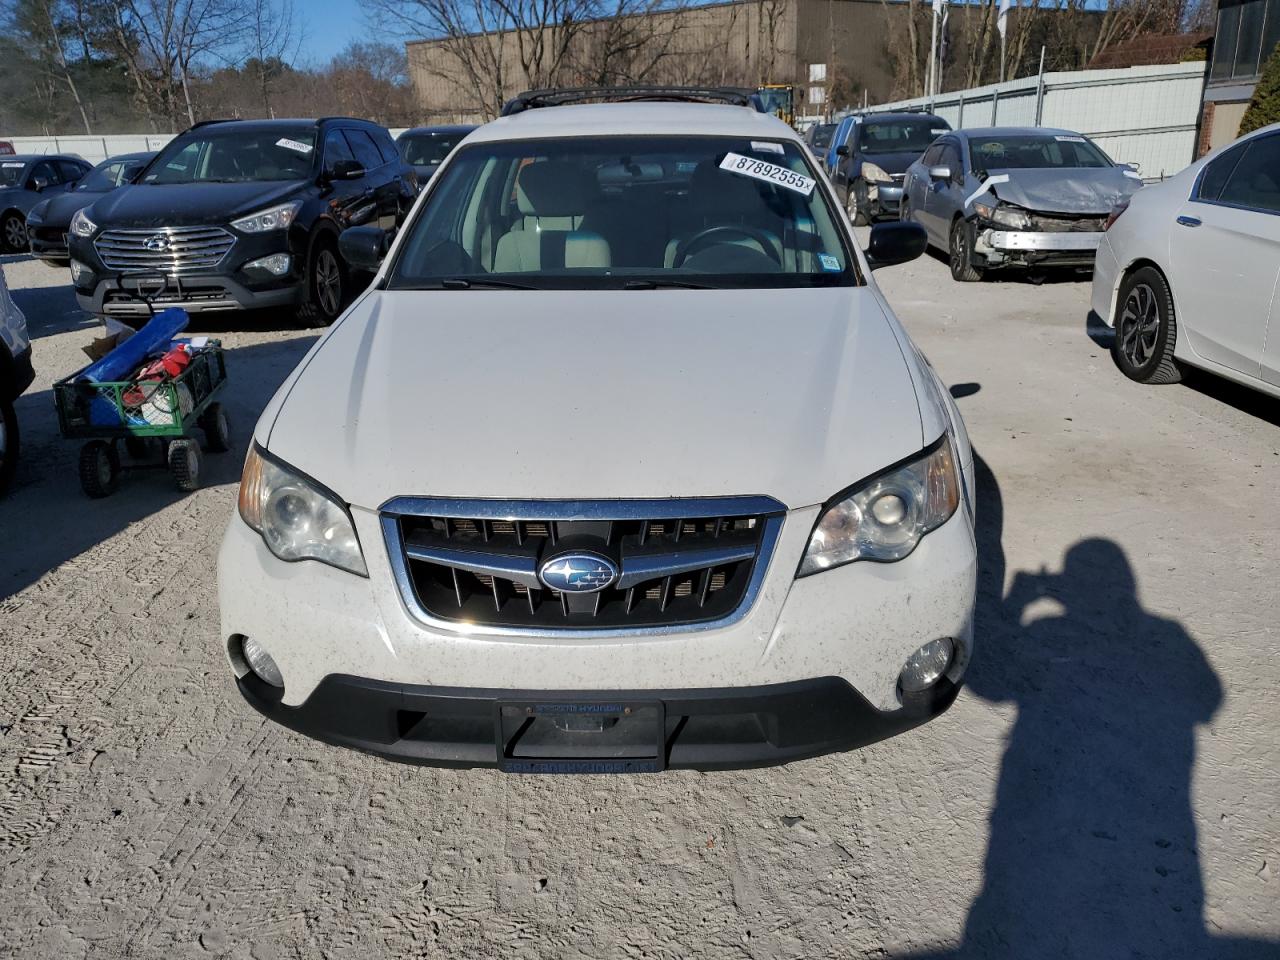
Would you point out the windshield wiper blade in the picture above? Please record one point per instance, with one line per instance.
(466, 283)
(656, 284)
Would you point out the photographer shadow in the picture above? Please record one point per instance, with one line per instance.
(1093, 847)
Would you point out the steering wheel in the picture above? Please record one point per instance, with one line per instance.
(710, 235)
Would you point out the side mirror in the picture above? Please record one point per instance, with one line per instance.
(893, 243)
(939, 173)
(346, 170)
(39, 183)
(363, 247)
(842, 150)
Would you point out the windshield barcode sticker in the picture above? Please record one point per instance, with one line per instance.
(293, 145)
(768, 172)
(767, 146)
(8, 165)
(1069, 139)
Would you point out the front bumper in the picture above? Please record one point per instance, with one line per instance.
(1028, 248)
(703, 729)
(49, 244)
(884, 199)
(195, 293)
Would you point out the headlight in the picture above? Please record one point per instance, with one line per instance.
(273, 218)
(297, 519)
(81, 225)
(885, 517)
(874, 174)
(1005, 215)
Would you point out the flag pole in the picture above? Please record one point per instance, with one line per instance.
(933, 47)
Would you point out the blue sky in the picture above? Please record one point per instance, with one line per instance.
(329, 26)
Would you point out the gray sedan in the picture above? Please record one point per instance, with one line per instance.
(998, 197)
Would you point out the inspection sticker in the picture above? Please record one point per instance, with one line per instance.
(294, 145)
(1069, 139)
(829, 263)
(939, 131)
(767, 146)
(768, 172)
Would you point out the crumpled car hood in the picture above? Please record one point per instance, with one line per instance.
(794, 394)
(1085, 191)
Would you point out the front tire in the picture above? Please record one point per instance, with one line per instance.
(960, 253)
(855, 204)
(99, 469)
(217, 429)
(13, 233)
(1146, 329)
(184, 464)
(326, 285)
(8, 445)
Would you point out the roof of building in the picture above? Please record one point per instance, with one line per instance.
(1148, 50)
(639, 118)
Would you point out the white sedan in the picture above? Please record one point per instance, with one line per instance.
(1187, 270)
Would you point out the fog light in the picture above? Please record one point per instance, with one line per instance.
(277, 264)
(927, 665)
(79, 271)
(260, 662)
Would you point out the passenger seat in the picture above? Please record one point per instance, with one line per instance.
(552, 196)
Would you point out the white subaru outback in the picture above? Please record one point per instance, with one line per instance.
(621, 463)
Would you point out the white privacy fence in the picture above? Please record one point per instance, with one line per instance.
(95, 149)
(1146, 116)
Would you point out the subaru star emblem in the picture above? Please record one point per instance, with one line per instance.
(578, 573)
(157, 244)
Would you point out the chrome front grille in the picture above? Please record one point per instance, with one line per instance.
(681, 564)
(167, 250)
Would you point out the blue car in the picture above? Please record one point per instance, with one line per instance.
(869, 156)
(25, 180)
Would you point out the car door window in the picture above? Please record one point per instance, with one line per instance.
(336, 149)
(47, 171)
(1215, 175)
(363, 147)
(386, 146)
(1255, 181)
(951, 158)
(71, 171)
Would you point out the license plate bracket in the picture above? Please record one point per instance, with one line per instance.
(580, 735)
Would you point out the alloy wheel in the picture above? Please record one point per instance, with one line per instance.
(15, 233)
(328, 282)
(959, 249)
(1139, 325)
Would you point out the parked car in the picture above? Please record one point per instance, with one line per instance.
(236, 214)
(49, 220)
(6, 149)
(1187, 270)
(818, 137)
(1000, 197)
(569, 489)
(871, 161)
(26, 180)
(425, 148)
(16, 374)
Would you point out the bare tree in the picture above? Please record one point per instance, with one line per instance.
(274, 40)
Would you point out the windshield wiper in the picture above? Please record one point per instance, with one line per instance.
(656, 284)
(466, 283)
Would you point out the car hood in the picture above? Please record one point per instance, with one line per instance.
(892, 162)
(794, 394)
(186, 204)
(1086, 191)
(58, 211)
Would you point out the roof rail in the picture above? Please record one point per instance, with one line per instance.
(562, 96)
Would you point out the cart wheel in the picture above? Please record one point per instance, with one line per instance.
(137, 447)
(184, 464)
(217, 429)
(99, 468)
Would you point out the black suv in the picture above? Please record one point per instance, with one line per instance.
(239, 214)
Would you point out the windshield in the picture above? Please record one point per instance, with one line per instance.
(632, 212)
(900, 136)
(427, 150)
(108, 175)
(1035, 150)
(11, 173)
(822, 135)
(236, 157)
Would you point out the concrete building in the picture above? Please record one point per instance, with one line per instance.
(831, 50)
(1248, 31)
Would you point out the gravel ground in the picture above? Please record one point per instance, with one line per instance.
(1106, 787)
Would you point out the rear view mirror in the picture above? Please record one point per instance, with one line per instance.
(940, 173)
(363, 247)
(893, 243)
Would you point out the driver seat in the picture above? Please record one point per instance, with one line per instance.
(552, 196)
(718, 198)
